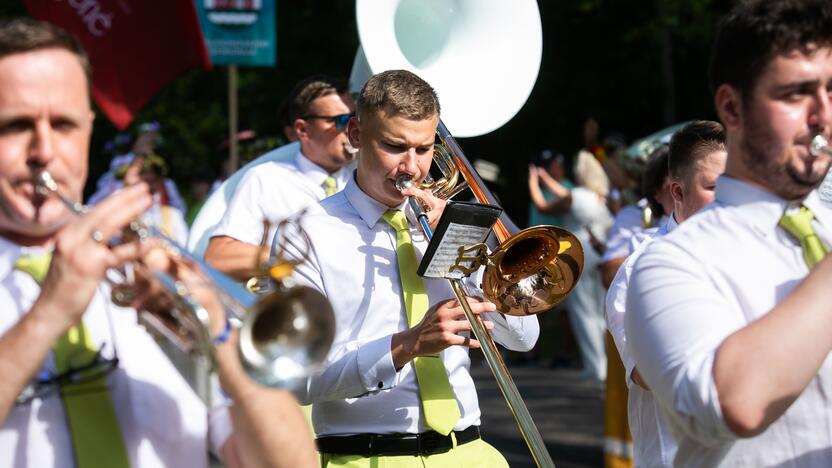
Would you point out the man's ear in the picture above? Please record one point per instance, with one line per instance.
(301, 129)
(676, 191)
(354, 132)
(728, 103)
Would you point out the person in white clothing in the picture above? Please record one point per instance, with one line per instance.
(586, 215)
(81, 383)
(319, 108)
(696, 159)
(366, 399)
(728, 315)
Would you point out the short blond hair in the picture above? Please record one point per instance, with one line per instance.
(397, 92)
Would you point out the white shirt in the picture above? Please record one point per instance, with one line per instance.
(216, 205)
(628, 231)
(353, 262)
(274, 191)
(588, 212)
(163, 422)
(653, 443)
(722, 269)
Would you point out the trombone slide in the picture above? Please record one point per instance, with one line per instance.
(515, 402)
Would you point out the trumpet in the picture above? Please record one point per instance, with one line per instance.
(820, 145)
(284, 335)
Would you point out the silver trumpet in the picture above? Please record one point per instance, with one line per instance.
(820, 145)
(284, 335)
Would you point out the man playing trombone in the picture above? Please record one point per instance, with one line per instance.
(81, 384)
(396, 384)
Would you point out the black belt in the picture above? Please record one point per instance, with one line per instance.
(426, 443)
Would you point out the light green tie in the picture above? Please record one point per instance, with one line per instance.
(438, 400)
(96, 435)
(799, 225)
(330, 186)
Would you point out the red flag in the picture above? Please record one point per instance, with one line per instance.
(135, 46)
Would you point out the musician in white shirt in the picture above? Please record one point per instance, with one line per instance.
(728, 316)
(367, 389)
(152, 416)
(696, 157)
(319, 109)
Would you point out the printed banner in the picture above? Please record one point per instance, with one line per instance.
(239, 32)
(136, 47)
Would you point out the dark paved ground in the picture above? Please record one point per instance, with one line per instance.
(567, 411)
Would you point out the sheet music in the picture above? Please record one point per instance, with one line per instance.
(456, 236)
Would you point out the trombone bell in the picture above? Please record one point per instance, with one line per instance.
(533, 271)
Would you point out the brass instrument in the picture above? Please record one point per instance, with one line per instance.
(283, 335)
(820, 145)
(534, 269)
(530, 272)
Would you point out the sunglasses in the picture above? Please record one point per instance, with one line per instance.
(340, 120)
(47, 383)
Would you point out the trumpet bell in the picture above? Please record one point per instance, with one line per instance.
(289, 334)
(533, 270)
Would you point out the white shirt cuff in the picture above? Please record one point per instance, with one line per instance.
(375, 364)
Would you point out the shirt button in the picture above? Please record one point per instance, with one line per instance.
(380, 384)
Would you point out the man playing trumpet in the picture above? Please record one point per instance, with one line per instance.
(81, 384)
(728, 316)
(396, 384)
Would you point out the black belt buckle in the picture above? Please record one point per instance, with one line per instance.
(430, 443)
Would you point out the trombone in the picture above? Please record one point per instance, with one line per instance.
(530, 272)
(284, 335)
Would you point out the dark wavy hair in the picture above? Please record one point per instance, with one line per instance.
(756, 31)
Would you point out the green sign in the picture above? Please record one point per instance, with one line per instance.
(239, 32)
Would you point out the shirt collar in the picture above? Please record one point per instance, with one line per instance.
(761, 208)
(316, 173)
(671, 223)
(368, 208)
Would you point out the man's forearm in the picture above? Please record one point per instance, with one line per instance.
(762, 368)
(233, 257)
(23, 349)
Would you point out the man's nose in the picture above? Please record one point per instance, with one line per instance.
(409, 162)
(821, 116)
(41, 149)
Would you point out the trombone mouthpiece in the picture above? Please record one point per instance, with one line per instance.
(819, 146)
(45, 184)
(404, 182)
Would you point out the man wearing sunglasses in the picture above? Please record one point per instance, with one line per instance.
(319, 109)
(81, 383)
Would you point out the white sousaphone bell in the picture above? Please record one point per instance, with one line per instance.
(481, 56)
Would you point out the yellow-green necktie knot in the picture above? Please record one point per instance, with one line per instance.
(799, 225)
(330, 186)
(397, 220)
(439, 405)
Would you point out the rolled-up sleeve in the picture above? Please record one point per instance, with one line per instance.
(514, 333)
(616, 303)
(676, 319)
